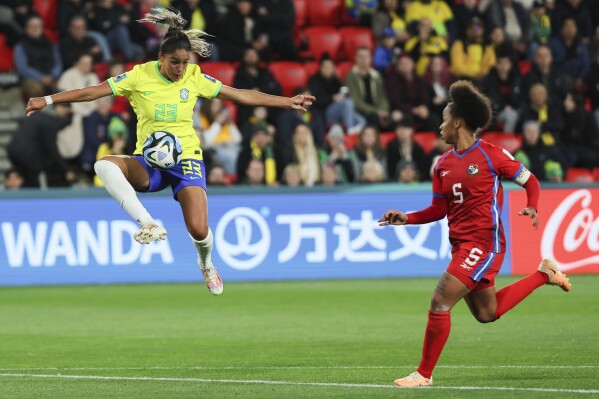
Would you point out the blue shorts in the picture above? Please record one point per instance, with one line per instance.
(188, 172)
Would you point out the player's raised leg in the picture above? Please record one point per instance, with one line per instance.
(121, 176)
(194, 204)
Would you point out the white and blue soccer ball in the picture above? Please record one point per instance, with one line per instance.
(162, 150)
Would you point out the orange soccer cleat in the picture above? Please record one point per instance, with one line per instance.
(414, 380)
(549, 267)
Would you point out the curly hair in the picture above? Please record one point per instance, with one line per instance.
(468, 103)
(176, 37)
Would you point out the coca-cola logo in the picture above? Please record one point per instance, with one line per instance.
(571, 236)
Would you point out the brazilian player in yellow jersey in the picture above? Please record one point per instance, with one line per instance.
(163, 94)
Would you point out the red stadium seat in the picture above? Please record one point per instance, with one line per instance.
(350, 140)
(579, 175)
(290, 76)
(343, 68)
(325, 12)
(311, 68)
(322, 39)
(511, 142)
(48, 11)
(596, 174)
(223, 71)
(386, 138)
(355, 37)
(6, 61)
(426, 140)
(129, 65)
(301, 12)
(101, 69)
(524, 66)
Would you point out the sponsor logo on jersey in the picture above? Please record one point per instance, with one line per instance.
(184, 94)
(473, 169)
(120, 77)
(210, 78)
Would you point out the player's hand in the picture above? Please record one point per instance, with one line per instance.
(35, 104)
(532, 212)
(302, 102)
(393, 217)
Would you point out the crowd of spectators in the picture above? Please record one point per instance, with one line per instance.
(538, 60)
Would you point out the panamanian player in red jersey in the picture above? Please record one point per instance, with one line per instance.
(467, 189)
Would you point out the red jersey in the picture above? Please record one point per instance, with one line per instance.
(470, 183)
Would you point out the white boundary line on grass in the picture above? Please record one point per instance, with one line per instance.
(269, 382)
(534, 367)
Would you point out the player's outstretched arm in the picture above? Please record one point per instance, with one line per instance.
(257, 98)
(533, 191)
(89, 93)
(393, 217)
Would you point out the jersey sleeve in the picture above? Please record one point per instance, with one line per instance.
(125, 83)
(208, 86)
(507, 166)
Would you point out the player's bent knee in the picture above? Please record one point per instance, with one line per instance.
(198, 232)
(107, 163)
(485, 318)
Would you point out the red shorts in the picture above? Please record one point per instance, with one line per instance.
(474, 267)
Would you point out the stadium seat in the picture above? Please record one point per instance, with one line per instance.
(320, 40)
(6, 61)
(386, 138)
(509, 141)
(290, 76)
(129, 65)
(311, 67)
(426, 140)
(596, 174)
(48, 12)
(301, 12)
(223, 71)
(524, 66)
(101, 69)
(350, 140)
(579, 175)
(355, 37)
(325, 12)
(343, 68)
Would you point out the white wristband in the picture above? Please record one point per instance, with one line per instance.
(48, 100)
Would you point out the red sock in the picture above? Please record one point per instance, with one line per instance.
(437, 332)
(513, 294)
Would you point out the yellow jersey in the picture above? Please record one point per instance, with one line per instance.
(164, 105)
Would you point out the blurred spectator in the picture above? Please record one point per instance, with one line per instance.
(216, 176)
(261, 148)
(67, 10)
(544, 161)
(577, 10)
(388, 16)
(580, 134)
(303, 152)
(556, 82)
(386, 51)
(361, 10)
(111, 19)
(540, 27)
(37, 60)
(425, 45)
(71, 138)
(471, 58)
(332, 98)
(292, 176)
(145, 34)
(372, 172)
(593, 86)
(437, 11)
(502, 86)
(368, 147)
(290, 118)
(254, 173)
(13, 180)
(570, 55)
(337, 154)
(465, 12)
(33, 148)
(438, 78)
(250, 75)
(404, 148)
(77, 43)
(118, 135)
(367, 90)
(407, 172)
(17, 11)
(8, 24)
(258, 120)
(95, 131)
(410, 95)
(219, 133)
(514, 20)
(594, 46)
(502, 45)
(329, 175)
(540, 108)
(277, 18)
(240, 30)
(202, 15)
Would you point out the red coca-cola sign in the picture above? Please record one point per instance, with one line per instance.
(568, 231)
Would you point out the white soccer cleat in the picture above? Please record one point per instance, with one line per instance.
(549, 267)
(414, 380)
(149, 232)
(212, 278)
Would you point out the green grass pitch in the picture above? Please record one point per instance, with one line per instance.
(308, 339)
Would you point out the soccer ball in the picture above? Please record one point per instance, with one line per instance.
(162, 150)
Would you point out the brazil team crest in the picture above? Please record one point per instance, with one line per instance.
(473, 169)
(184, 94)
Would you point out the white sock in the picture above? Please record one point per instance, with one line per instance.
(121, 190)
(204, 248)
